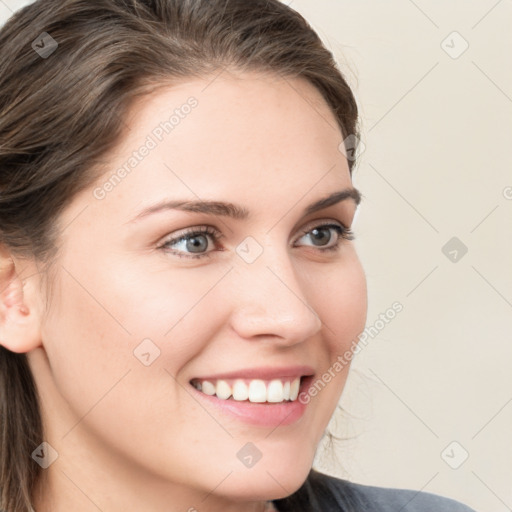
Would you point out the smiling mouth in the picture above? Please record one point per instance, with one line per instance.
(252, 390)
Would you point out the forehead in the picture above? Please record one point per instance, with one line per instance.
(250, 135)
(236, 110)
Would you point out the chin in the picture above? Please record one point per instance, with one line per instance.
(276, 479)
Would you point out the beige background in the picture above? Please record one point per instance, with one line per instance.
(437, 129)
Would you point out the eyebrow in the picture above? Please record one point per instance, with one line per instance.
(226, 209)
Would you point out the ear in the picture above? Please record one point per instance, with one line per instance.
(19, 304)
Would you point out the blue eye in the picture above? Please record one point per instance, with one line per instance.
(324, 232)
(195, 242)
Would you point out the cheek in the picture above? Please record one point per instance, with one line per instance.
(343, 306)
(340, 299)
(90, 337)
(153, 298)
(104, 317)
(88, 348)
(142, 299)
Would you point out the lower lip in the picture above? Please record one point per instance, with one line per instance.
(263, 414)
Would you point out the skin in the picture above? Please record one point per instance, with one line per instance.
(131, 437)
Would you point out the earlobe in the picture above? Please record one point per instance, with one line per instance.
(19, 314)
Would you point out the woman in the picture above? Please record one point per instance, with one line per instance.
(177, 264)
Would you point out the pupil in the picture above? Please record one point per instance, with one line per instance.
(195, 242)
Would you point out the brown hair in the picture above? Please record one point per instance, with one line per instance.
(62, 105)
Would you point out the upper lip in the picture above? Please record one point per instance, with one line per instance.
(263, 372)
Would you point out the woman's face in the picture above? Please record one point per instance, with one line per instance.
(136, 314)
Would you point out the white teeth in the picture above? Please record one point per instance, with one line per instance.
(275, 391)
(294, 389)
(223, 390)
(240, 390)
(256, 390)
(207, 387)
(286, 391)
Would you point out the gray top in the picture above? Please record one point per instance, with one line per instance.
(323, 493)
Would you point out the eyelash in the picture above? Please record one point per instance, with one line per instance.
(342, 231)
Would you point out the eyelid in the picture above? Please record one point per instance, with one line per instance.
(322, 222)
(203, 229)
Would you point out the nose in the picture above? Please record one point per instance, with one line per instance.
(270, 300)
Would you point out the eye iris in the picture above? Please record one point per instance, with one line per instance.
(325, 234)
(195, 242)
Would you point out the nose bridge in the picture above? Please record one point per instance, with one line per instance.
(270, 299)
